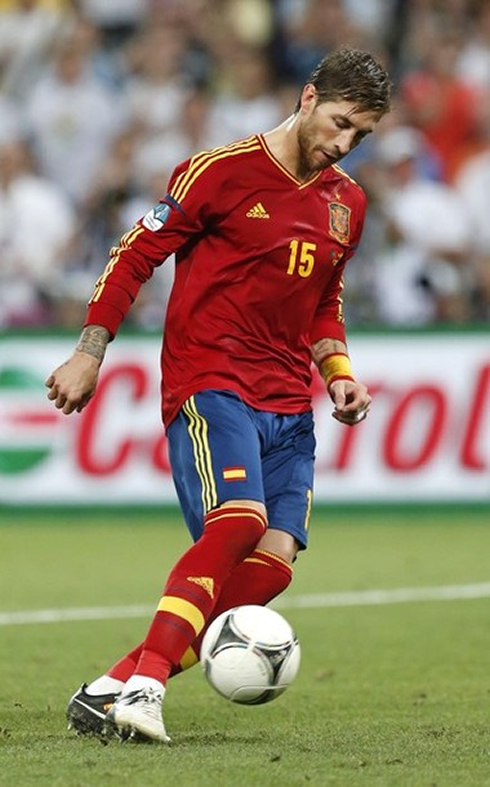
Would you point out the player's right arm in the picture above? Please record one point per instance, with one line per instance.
(131, 263)
(141, 250)
(72, 385)
(184, 212)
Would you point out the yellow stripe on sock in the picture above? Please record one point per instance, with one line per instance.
(183, 609)
(274, 557)
(256, 560)
(188, 659)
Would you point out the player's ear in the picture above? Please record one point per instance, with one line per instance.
(308, 98)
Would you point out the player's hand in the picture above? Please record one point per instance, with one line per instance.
(351, 400)
(72, 385)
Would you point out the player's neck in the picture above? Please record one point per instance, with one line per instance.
(282, 142)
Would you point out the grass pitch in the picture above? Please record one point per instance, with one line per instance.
(388, 695)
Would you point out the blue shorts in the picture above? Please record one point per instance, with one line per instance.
(221, 449)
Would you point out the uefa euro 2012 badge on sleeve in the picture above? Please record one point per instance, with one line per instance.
(156, 217)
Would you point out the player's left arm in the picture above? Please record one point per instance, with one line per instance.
(351, 398)
(328, 335)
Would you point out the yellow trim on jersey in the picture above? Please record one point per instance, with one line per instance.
(124, 244)
(198, 432)
(283, 169)
(202, 161)
(341, 171)
(183, 609)
(198, 158)
(188, 659)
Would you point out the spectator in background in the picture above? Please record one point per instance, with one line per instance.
(249, 23)
(439, 103)
(192, 74)
(28, 31)
(100, 223)
(247, 103)
(423, 275)
(418, 25)
(473, 184)
(36, 223)
(309, 29)
(120, 196)
(473, 63)
(157, 87)
(117, 20)
(11, 125)
(72, 119)
(194, 133)
(374, 17)
(202, 24)
(106, 66)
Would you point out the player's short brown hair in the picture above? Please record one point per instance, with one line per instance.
(352, 75)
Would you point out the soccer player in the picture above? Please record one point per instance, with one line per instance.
(262, 229)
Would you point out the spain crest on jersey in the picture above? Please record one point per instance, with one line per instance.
(339, 221)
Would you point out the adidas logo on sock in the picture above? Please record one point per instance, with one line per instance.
(205, 582)
(258, 212)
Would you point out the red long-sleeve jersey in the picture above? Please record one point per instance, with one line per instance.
(258, 279)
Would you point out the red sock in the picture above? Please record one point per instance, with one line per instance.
(257, 580)
(194, 586)
(261, 577)
(124, 668)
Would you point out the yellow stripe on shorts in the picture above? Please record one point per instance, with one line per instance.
(198, 432)
(309, 497)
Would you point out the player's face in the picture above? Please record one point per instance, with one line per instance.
(329, 130)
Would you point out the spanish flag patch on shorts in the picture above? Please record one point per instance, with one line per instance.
(234, 474)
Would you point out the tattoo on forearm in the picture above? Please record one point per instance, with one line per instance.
(325, 347)
(93, 341)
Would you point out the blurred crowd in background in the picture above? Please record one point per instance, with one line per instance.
(100, 99)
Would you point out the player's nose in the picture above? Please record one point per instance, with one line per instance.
(345, 141)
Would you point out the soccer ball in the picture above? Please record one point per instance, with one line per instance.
(250, 654)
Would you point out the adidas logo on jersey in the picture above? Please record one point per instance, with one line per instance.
(257, 212)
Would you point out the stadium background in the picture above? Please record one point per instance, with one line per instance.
(100, 98)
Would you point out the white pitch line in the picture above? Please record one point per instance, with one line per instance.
(364, 598)
(359, 598)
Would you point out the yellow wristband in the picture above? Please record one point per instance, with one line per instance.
(336, 366)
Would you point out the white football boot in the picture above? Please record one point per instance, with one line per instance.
(137, 716)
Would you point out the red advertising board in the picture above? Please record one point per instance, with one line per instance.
(427, 436)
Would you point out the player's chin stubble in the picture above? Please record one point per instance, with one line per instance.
(308, 166)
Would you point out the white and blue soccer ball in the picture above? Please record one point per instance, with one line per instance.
(250, 654)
